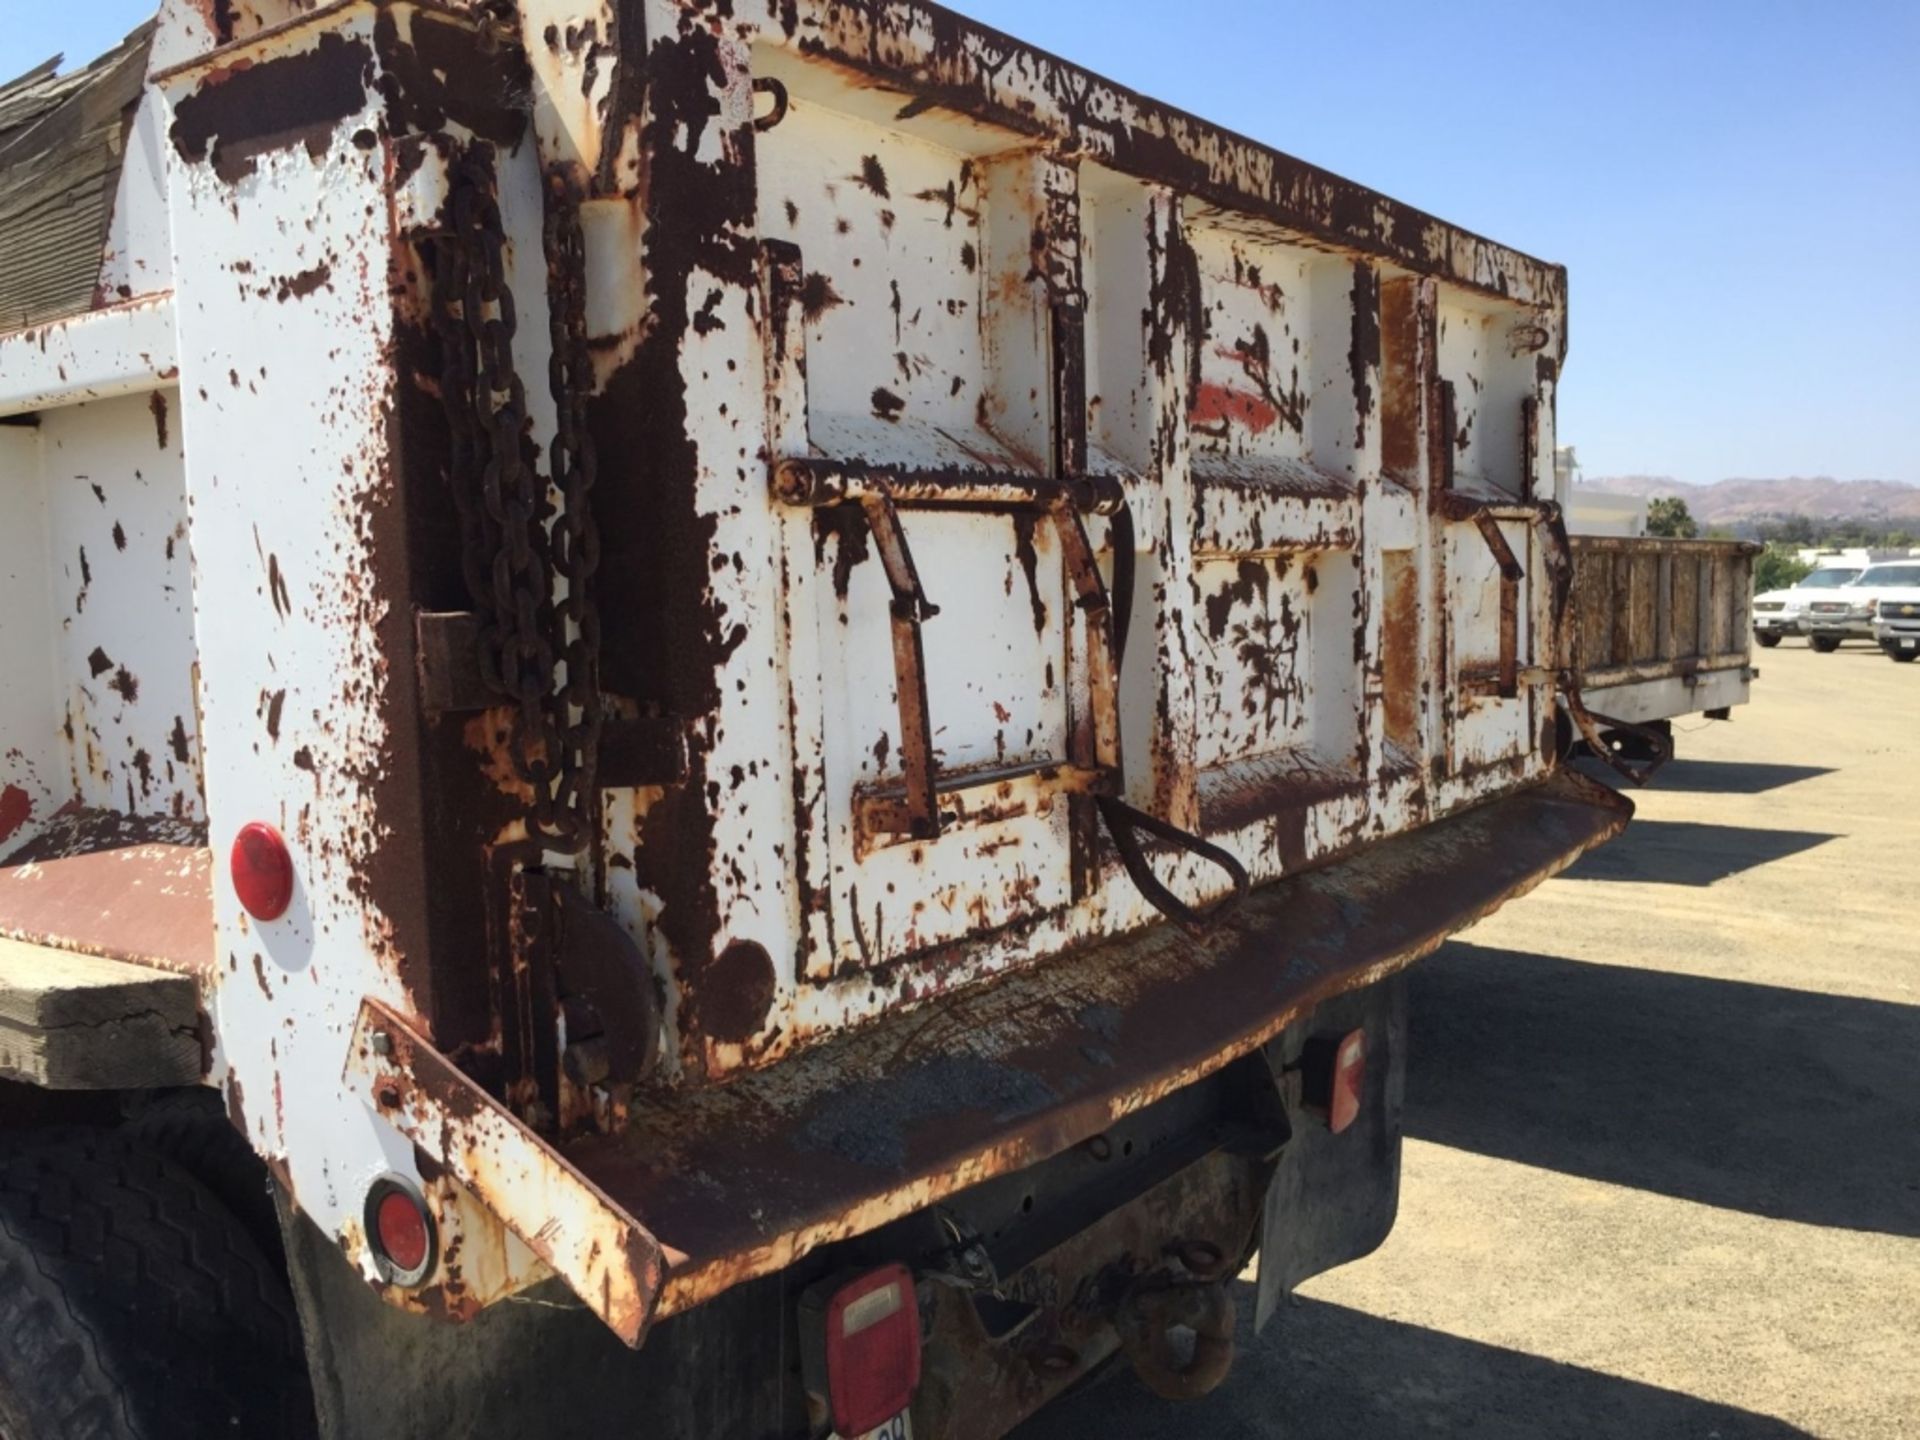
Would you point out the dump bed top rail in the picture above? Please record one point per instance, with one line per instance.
(935, 59)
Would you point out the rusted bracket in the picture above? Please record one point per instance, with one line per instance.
(608, 1257)
(1485, 516)
(998, 792)
(1558, 552)
(447, 657)
(910, 608)
(642, 751)
(814, 484)
(1591, 726)
(921, 809)
(1511, 574)
(634, 751)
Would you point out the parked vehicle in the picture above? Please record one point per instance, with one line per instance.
(1847, 614)
(760, 701)
(1780, 613)
(1665, 630)
(1896, 621)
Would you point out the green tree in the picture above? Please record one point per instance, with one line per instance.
(1777, 569)
(1669, 517)
(1791, 529)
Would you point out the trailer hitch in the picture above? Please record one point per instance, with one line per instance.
(1161, 1305)
(1592, 727)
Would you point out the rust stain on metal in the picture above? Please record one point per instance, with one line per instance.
(298, 287)
(277, 588)
(255, 108)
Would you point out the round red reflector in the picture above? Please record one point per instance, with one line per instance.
(262, 871)
(400, 1226)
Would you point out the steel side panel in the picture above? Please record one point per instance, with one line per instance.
(286, 388)
(120, 350)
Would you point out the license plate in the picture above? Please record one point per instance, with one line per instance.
(897, 1428)
(1909, 644)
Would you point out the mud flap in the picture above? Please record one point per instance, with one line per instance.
(1333, 1197)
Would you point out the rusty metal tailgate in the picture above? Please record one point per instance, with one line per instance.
(739, 1180)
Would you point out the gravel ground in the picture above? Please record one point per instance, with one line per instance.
(1663, 1168)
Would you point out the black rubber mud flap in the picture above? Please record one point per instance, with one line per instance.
(1334, 1197)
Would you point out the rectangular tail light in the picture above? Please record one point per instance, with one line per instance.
(873, 1350)
(1334, 1075)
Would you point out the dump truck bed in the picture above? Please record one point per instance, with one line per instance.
(1665, 626)
(821, 603)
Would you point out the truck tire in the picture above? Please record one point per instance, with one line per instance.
(133, 1306)
(1767, 638)
(1825, 644)
(191, 1128)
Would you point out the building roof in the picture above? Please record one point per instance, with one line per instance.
(62, 138)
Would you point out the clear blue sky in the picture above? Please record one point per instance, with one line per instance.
(1734, 184)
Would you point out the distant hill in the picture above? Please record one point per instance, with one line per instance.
(1730, 502)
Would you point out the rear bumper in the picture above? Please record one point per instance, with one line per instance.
(711, 1188)
(1847, 627)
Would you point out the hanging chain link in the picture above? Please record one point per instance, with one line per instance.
(574, 467)
(510, 563)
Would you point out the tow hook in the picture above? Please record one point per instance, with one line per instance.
(1161, 1303)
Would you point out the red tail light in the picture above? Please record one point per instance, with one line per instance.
(873, 1350)
(1349, 1081)
(1334, 1072)
(402, 1232)
(262, 870)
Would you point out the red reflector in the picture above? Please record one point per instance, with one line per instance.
(1349, 1081)
(873, 1350)
(262, 871)
(400, 1230)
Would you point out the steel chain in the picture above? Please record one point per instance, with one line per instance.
(510, 564)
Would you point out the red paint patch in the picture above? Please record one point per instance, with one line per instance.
(1216, 404)
(16, 808)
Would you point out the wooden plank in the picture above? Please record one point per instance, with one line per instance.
(81, 1022)
(1664, 618)
(1686, 606)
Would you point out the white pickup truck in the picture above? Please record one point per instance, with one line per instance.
(1778, 614)
(1896, 620)
(1848, 612)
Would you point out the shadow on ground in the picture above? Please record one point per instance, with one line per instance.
(1776, 1102)
(1732, 777)
(1682, 852)
(1324, 1372)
